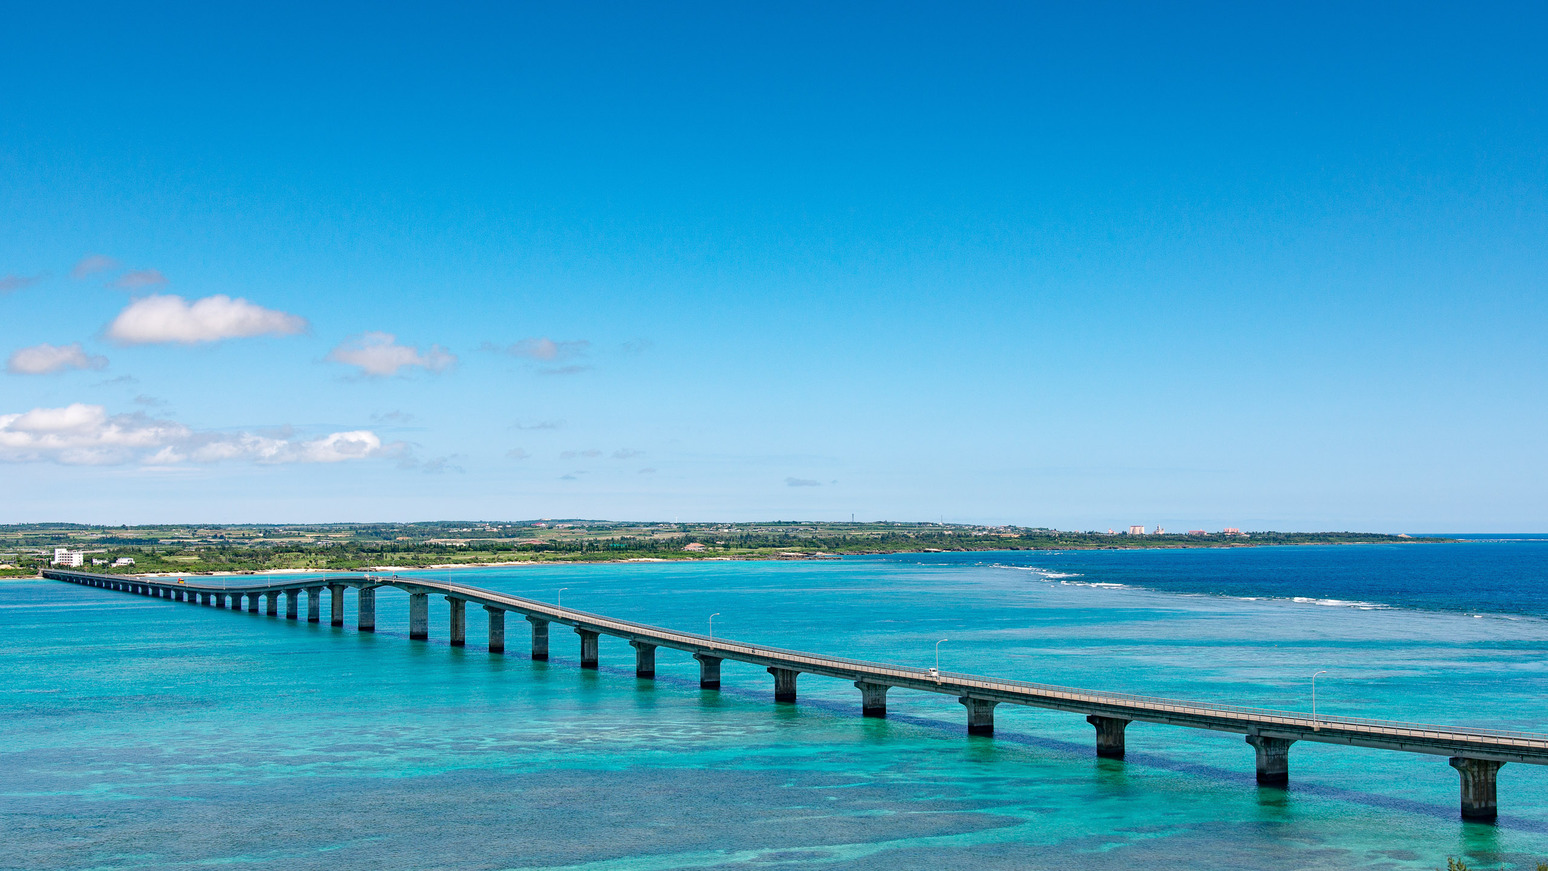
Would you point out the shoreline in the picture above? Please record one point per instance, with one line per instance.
(823, 556)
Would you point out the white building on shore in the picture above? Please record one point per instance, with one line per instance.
(74, 559)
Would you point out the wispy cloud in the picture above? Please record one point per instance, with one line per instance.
(647, 471)
(637, 346)
(516, 454)
(544, 349)
(802, 482)
(140, 278)
(627, 454)
(572, 369)
(91, 264)
(150, 401)
(160, 319)
(588, 454)
(379, 355)
(431, 466)
(540, 424)
(393, 418)
(86, 435)
(9, 283)
(47, 359)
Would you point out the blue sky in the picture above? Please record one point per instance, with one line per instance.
(1198, 267)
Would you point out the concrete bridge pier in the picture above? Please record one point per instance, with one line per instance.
(314, 604)
(219, 599)
(588, 647)
(419, 616)
(1109, 735)
(1478, 776)
(459, 620)
(784, 683)
(291, 598)
(337, 605)
(873, 698)
(252, 603)
(204, 598)
(1273, 759)
(365, 609)
(644, 659)
(980, 715)
(709, 671)
(539, 638)
(496, 629)
(273, 603)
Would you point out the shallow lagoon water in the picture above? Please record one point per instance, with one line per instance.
(140, 733)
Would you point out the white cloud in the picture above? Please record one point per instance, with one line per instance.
(548, 350)
(9, 283)
(92, 264)
(140, 278)
(46, 359)
(379, 354)
(627, 454)
(86, 435)
(516, 454)
(802, 482)
(590, 453)
(169, 318)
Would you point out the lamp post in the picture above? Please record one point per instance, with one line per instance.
(1314, 698)
(561, 597)
(712, 625)
(936, 672)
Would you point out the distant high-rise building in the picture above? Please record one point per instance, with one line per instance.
(1136, 530)
(1230, 530)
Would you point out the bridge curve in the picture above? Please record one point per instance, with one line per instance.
(1477, 754)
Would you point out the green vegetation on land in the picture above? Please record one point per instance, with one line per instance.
(350, 546)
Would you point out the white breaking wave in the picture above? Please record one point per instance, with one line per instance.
(1340, 603)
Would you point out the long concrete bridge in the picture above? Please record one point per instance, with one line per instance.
(1476, 754)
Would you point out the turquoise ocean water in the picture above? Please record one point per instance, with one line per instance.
(141, 733)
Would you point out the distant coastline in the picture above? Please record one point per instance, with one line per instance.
(253, 549)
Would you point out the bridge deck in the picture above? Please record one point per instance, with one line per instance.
(1485, 744)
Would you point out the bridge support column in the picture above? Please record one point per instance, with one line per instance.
(314, 604)
(273, 604)
(204, 598)
(709, 671)
(539, 638)
(644, 659)
(459, 620)
(419, 616)
(1273, 759)
(1109, 735)
(252, 603)
(1478, 775)
(873, 698)
(784, 683)
(291, 597)
(365, 609)
(219, 599)
(496, 629)
(980, 715)
(588, 647)
(336, 612)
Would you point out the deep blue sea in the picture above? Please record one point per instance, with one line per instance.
(142, 733)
